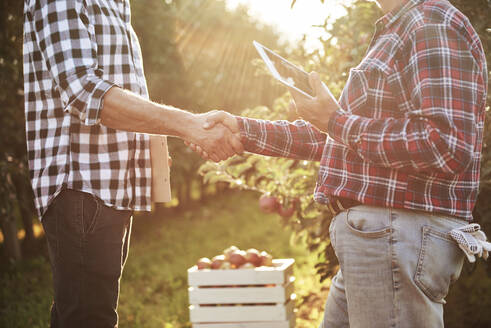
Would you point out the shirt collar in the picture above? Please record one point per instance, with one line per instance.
(392, 16)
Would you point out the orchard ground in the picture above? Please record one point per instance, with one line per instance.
(163, 246)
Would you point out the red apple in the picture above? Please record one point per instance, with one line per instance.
(286, 212)
(225, 266)
(253, 257)
(229, 251)
(237, 258)
(266, 259)
(203, 263)
(268, 204)
(217, 261)
(248, 266)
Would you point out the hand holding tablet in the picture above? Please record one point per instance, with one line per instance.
(287, 73)
(312, 99)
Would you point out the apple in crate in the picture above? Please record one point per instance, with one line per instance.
(203, 263)
(227, 252)
(225, 266)
(237, 258)
(248, 265)
(253, 256)
(217, 262)
(266, 259)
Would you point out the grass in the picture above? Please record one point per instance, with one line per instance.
(163, 246)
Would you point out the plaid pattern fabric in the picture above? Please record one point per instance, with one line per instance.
(410, 131)
(74, 52)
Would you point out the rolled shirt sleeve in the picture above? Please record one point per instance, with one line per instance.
(444, 91)
(296, 140)
(67, 42)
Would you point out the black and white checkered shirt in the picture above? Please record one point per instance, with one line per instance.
(74, 52)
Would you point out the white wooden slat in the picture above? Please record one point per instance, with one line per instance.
(271, 324)
(278, 275)
(241, 295)
(216, 314)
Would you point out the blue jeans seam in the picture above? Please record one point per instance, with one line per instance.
(335, 300)
(394, 269)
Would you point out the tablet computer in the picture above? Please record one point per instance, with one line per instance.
(285, 72)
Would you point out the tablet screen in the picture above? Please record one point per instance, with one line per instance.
(289, 73)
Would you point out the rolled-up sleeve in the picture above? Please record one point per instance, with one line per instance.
(68, 45)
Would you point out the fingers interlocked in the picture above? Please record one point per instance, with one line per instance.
(222, 139)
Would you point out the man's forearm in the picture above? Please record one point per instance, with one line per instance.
(126, 111)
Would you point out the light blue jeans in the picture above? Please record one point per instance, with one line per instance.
(396, 267)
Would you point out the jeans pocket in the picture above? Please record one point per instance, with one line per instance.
(91, 208)
(368, 224)
(439, 264)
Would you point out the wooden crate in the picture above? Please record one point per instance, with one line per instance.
(269, 324)
(245, 298)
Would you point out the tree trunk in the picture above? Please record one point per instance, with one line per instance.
(187, 193)
(202, 190)
(184, 194)
(27, 222)
(24, 199)
(221, 187)
(12, 246)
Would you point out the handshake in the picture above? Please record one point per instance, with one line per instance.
(217, 136)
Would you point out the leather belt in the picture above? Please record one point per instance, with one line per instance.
(338, 204)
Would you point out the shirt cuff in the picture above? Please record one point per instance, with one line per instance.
(96, 103)
(84, 98)
(248, 132)
(346, 128)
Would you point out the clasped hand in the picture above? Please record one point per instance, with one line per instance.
(215, 141)
(315, 110)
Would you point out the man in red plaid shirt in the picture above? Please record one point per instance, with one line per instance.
(400, 157)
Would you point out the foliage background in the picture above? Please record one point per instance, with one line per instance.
(198, 56)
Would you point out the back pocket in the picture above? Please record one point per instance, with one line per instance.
(439, 264)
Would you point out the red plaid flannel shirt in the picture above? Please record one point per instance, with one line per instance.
(410, 131)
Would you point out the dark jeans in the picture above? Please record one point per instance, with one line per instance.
(88, 244)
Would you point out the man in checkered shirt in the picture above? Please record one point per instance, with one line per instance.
(88, 120)
(399, 164)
